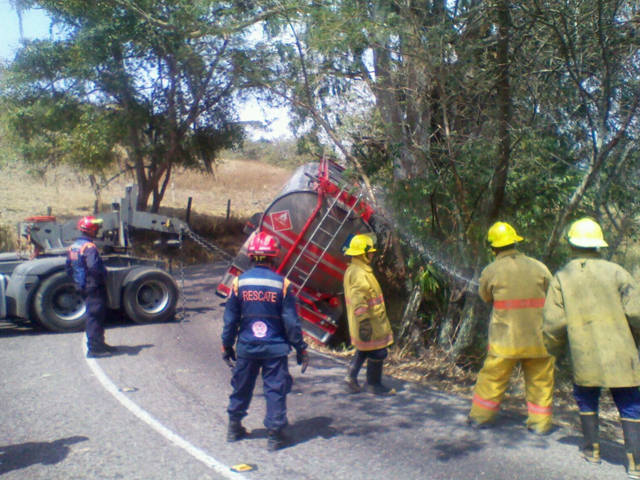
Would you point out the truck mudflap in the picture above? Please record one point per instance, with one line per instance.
(3, 297)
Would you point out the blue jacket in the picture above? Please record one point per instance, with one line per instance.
(261, 314)
(85, 265)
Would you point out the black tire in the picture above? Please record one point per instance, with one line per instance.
(58, 306)
(151, 297)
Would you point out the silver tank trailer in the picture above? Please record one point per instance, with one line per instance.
(321, 302)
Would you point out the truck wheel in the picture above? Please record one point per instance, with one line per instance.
(58, 306)
(151, 297)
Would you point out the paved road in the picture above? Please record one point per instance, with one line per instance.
(157, 411)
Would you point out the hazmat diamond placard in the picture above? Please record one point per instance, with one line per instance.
(281, 221)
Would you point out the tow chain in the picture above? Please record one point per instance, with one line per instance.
(184, 318)
(211, 248)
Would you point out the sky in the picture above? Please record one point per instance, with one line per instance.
(36, 25)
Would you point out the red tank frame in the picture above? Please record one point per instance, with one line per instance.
(307, 309)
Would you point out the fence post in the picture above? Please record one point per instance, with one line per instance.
(228, 208)
(188, 217)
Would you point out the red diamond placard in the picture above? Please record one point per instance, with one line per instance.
(281, 221)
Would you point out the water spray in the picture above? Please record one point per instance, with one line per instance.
(424, 251)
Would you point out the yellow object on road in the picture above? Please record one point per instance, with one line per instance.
(492, 384)
(243, 467)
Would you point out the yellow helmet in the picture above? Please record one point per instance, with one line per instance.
(502, 234)
(586, 233)
(360, 244)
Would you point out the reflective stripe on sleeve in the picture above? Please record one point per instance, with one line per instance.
(518, 303)
(260, 282)
(87, 245)
(359, 311)
(375, 301)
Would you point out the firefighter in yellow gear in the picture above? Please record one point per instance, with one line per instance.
(516, 285)
(593, 305)
(369, 325)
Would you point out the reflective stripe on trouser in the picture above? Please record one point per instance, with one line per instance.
(492, 383)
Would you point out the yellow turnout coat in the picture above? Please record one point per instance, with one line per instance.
(516, 285)
(595, 306)
(364, 301)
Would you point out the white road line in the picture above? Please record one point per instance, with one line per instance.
(174, 438)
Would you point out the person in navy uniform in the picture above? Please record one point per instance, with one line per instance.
(85, 266)
(261, 315)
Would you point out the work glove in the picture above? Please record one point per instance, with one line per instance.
(365, 330)
(302, 357)
(228, 355)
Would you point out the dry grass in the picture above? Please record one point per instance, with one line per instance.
(249, 185)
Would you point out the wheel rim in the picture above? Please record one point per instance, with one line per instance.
(68, 304)
(152, 297)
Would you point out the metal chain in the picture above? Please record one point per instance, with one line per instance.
(184, 316)
(210, 247)
(183, 297)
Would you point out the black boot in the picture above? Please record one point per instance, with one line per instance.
(100, 349)
(236, 431)
(352, 373)
(374, 379)
(631, 431)
(275, 440)
(108, 348)
(591, 449)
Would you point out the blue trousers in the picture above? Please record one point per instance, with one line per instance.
(277, 384)
(627, 400)
(96, 301)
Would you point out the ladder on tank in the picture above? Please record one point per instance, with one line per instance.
(304, 274)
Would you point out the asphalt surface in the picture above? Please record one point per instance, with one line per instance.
(157, 410)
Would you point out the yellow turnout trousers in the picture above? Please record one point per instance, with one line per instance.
(492, 383)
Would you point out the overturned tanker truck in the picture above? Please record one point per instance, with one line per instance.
(314, 217)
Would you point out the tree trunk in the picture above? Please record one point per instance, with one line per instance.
(501, 171)
(158, 195)
(456, 336)
(409, 330)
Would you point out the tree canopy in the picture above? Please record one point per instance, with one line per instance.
(114, 86)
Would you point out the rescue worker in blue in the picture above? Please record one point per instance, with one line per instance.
(85, 265)
(261, 314)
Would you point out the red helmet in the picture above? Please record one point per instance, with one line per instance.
(89, 225)
(263, 245)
